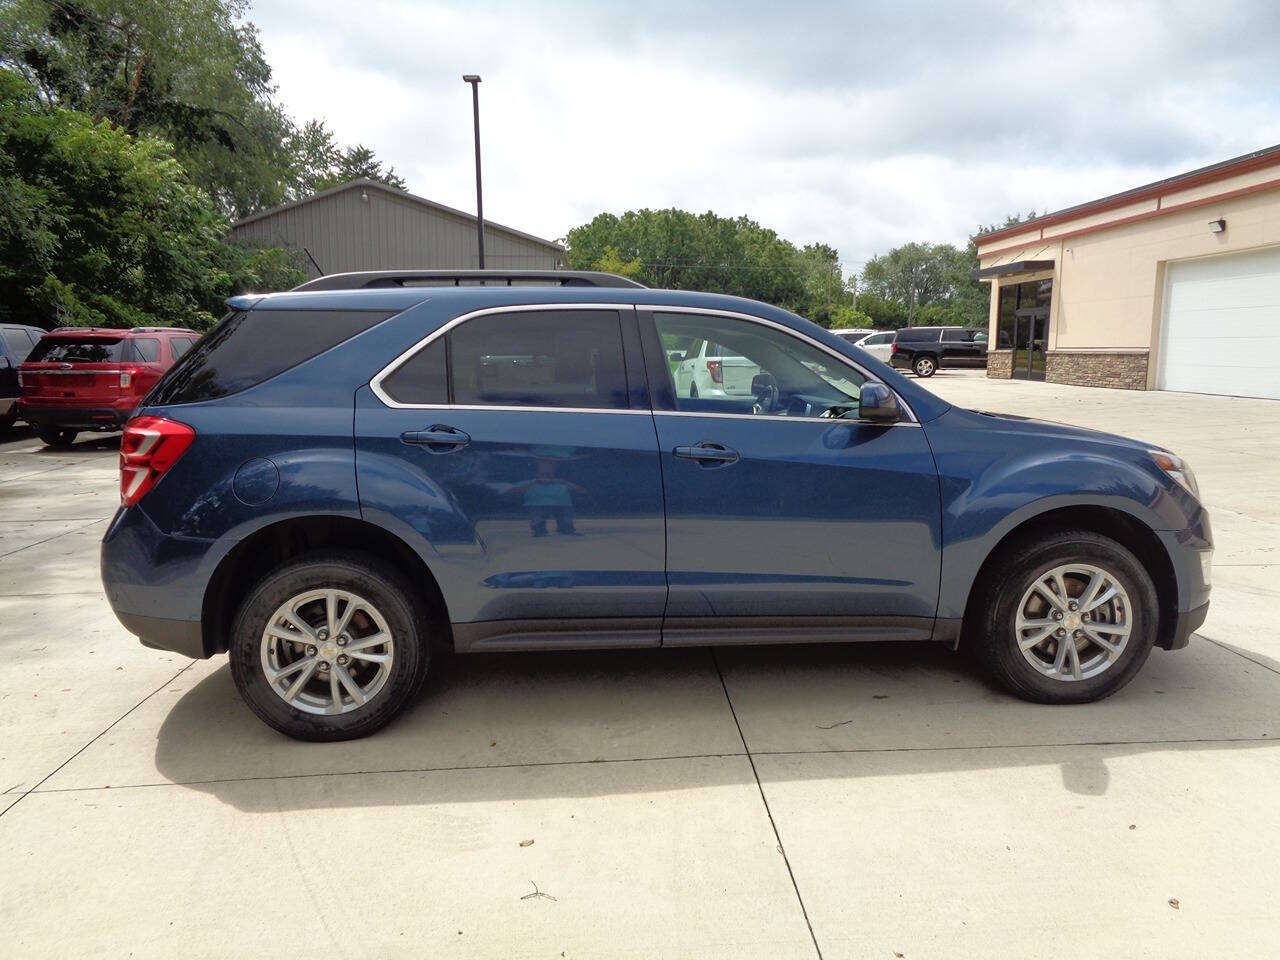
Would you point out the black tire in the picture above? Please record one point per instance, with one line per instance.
(57, 436)
(993, 620)
(924, 365)
(360, 574)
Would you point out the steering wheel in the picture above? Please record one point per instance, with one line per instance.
(765, 389)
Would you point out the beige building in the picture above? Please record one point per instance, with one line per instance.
(1170, 286)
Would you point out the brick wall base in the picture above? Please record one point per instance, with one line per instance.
(1124, 371)
(1000, 364)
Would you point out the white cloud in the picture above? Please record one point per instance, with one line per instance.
(863, 128)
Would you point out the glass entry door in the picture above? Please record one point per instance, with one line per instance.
(1023, 326)
(1031, 339)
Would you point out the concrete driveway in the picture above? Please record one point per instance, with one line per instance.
(863, 801)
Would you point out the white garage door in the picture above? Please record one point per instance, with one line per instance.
(1222, 325)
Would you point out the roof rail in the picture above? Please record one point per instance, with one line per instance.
(366, 279)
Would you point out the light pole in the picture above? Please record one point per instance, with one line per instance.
(474, 80)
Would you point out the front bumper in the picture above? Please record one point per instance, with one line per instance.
(1188, 623)
(82, 418)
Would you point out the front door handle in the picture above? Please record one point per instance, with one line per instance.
(437, 437)
(708, 453)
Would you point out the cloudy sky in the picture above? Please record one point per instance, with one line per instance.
(861, 125)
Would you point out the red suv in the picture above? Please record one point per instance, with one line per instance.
(92, 378)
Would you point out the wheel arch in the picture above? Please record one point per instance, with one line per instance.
(1124, 528)
(275, 544)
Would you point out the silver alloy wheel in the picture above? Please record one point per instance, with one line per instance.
(327, 652)
(1073, 622)
(924, 367)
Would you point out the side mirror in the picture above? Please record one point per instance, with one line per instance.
(676, 356)
(877, 403)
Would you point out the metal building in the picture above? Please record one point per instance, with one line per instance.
(365, 225)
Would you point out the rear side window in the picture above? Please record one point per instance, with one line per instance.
(19, 344)
(958, 336)
(250, 346)
(146, 349)
(180, 345)
(543, 358)
(77, 350)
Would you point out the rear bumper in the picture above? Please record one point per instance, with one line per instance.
(180, 636)
(84, 418)
(155, 583)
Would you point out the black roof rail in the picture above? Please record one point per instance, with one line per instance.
(366, 279)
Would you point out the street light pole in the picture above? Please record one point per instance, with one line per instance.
(474, 80)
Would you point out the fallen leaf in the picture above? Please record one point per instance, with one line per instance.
(493, 743)
(526, 843)
(1133, 826)
(1173, 902)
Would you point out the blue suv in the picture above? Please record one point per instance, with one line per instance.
(342, 481)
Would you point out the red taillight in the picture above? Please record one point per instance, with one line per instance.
(894, 348)
(149, 447)
(716, 369)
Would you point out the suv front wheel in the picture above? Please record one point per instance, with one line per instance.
(329, 647)
(1071, 618)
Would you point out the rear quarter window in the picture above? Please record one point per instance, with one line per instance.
(248, 347)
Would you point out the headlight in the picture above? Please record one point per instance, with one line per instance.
(1177, 468)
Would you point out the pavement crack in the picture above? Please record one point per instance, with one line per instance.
(96, 738)
(768, 812)
(56, 536)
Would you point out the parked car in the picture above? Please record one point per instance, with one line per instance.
(16, 342)
(335, 488)
(89, 378)
(878, 343)
(926, 350)
(707, 369)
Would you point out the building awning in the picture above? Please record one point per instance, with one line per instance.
(1012, 269)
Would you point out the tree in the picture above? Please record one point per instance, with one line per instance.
(913, 275)
(318, 163)
(187, 71)
(99, 227)
(676, 249)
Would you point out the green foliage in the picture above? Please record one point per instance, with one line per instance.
(847, 317)
(187, 71)
(678, 250)
(98, 227)
(612, 262)
(318, 163)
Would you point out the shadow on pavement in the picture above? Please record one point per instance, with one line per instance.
(524, 726)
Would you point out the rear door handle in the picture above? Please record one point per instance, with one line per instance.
(439, 437)
(708, 453)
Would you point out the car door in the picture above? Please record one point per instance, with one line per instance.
(787, 517)
(516, 450)
(959, 348)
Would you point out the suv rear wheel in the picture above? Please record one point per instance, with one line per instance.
(924, 365)
(1071, 619)
(329, 647)
(56, 436)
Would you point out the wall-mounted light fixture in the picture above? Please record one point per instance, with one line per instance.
(364, 195)
(1217, 226)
